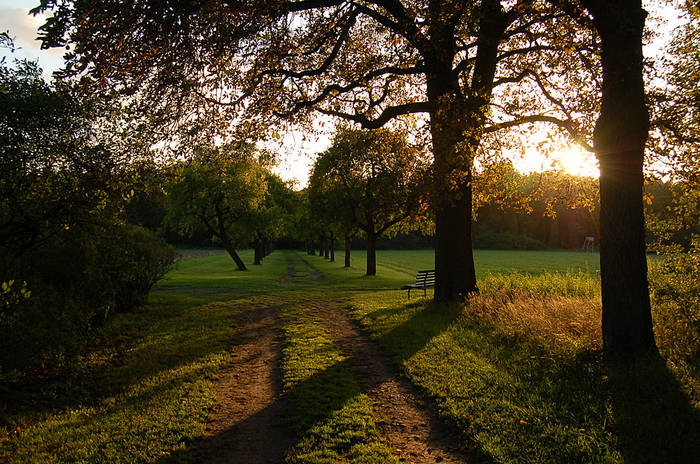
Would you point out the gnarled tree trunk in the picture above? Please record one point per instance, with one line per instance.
(620, 136)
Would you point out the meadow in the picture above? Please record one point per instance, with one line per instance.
(516, 371)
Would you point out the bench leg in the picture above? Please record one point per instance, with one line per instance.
(425, 291)
(409, 293)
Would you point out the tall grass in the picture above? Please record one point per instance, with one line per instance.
(570, 283)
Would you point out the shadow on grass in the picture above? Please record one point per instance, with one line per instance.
(521, 403)
(303, 415)
(126, 356)
(428, 320)
(266, 435)
(654, 419)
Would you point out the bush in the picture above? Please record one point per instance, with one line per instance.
(675, 292)
(146, 260)
(71, 284)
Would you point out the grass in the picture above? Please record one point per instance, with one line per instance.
(145, 389)
(143, 393)
(518, 370)
(331, 415)
(218, 272)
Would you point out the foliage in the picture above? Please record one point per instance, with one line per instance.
(55, 172)
(273, 216)
(65, 177)
(554, 208)
(219, 190)
(490, 240)
(371, 180)
(673, 156)
(432, 66)
(77, 281)
(675, 285)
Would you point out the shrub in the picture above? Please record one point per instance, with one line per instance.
(675, 292)
(74, 282)
(146, 260)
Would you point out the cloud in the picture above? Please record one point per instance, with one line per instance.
(23, 28)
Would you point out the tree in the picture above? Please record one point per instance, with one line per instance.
(67, 258)
(57, 169)
(619, 144)
(272, 216)
(375, 181)
(218, 189)
(206, 64)
(329, 208)
(675, 119)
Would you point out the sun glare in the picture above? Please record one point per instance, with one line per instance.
(570, 159)
(577, 161)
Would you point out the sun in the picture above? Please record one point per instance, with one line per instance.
(570, 159)
(576, 161)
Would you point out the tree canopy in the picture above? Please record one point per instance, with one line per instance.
(371, 180)
(219, 189)
(438, 65)
(207, 65)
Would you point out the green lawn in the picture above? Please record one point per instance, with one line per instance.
(517, 371)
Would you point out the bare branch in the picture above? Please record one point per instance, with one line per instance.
(386, 115)
(568, 125)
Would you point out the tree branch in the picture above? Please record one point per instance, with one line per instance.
(386, 115)
(563, 123)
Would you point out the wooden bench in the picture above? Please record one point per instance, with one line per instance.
(424, 279)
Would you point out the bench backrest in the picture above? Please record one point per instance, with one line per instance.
(425, 277)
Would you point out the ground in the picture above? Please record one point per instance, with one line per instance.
(301, 360)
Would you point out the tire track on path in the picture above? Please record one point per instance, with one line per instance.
(405, 415)
(246, 425)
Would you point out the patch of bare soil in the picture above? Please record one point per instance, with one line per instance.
(199, 253)
(405, 415)
(247, 422)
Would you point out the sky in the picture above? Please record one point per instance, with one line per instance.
(23, 27)
(297, 150)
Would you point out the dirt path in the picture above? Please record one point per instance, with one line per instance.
(405, 417)
(246, 425)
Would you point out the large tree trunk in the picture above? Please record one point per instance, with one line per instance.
(456, 127)
(454, 261)
(371, 254)
(326, 248)
(348, 242)
(620, 136)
